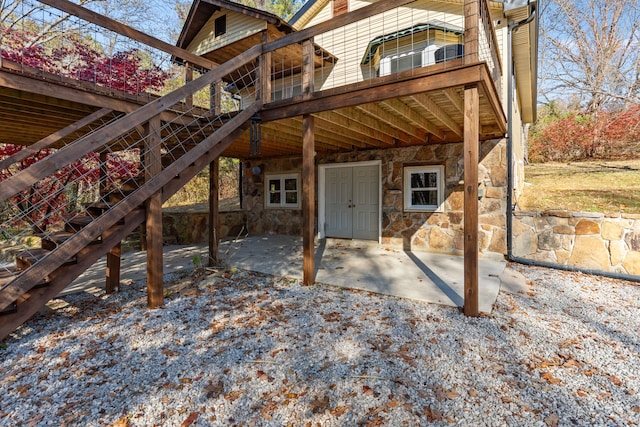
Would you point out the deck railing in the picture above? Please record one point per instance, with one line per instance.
(44, 41)
(410, 36)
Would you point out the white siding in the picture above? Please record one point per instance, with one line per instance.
(238, 27)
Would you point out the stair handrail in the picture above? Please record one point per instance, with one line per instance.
(28, 278)
(125, 30)
(90, 143)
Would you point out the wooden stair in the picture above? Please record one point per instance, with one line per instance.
(41, 288)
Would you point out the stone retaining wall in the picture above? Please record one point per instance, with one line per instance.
(187, 228)
(608, 242)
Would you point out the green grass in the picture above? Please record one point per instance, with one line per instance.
(595, 186)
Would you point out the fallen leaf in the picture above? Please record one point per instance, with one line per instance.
(234, 395)
(339, 411)
(582, 393)
(367, 390)
(552, 420)
(320, 404)
(452, 394)
(615, 380)
(122, 422)
(214, 390)
(548, 376)
(190, 419)
(393, 404)
(506, 399)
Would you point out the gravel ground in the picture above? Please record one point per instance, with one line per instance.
(237, 348)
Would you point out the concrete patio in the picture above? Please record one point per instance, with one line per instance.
(357, 264)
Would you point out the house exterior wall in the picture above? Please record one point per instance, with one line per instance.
(421, 231)
(238, 27)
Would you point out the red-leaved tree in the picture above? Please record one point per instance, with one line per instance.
(51, 199)
(576, 136)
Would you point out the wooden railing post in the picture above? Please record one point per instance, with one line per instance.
(215, 98)
(153, 167)
(188, 77)
(471, 31)
(265, 73)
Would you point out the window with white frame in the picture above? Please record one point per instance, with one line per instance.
(423, 188)
(282, 191)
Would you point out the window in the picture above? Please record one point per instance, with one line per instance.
(423, 188)
(418, 46)
(220, 26)
(282, 191)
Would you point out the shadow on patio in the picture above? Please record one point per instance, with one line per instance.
(360, 264)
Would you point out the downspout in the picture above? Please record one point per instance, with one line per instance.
(510, 206)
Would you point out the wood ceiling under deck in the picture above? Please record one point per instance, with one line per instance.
(433, 116)
(420, 108)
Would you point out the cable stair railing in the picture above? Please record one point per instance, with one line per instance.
(114, 170)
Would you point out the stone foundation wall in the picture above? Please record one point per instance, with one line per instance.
(427, 231)
(263, 220)
(187, 228)
(608, 242)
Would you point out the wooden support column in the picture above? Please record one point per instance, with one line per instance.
(214, 216)
(112, 282)
(113, 269)
(471, 160)
(308, 199)
(188, 76)
(153, 166)
(308, 170)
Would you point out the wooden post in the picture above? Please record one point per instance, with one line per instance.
(214, 216)
(308, 199)
(307, 69)
(308, 169)
(215, 98)
(471, 31)
(471, 159)
(188, 76)
(265, 73)
(153, 166)
(112, 282)
(113, 269)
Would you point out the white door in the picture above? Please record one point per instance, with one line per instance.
(352, 204)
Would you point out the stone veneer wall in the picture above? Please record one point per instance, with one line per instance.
(607, 242)
(427, 231)
(187, 228)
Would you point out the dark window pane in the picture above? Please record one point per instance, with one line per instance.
(274, 198)
(424, 198)
(291, 197)
(220, 25)
(424, 180)
(274, 185)
(290, 184)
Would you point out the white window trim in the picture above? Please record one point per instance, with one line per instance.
(282, 177)
(439, 169)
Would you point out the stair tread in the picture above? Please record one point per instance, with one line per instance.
(26, 258)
